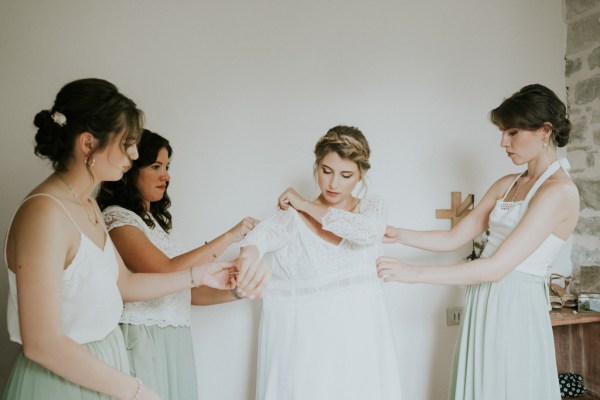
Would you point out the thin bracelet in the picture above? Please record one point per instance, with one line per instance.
(192, 278)
(211, 249)
(139, 389)
(235, 294)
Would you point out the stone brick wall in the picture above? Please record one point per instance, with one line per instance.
(583, 87)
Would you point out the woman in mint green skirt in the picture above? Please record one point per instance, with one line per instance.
(67, 283)
(157, 332)
(505, 349)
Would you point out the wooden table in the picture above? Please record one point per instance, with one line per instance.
(577, 344)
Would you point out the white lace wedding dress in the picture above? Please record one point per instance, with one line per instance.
(325, 332)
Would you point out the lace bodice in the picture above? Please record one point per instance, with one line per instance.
(171, 310)
(305, 264)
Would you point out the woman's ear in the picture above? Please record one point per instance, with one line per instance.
(86, 142)
(546, 129)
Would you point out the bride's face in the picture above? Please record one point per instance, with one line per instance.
(337, 177)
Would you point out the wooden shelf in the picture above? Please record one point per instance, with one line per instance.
(567, 316)
(577, 344)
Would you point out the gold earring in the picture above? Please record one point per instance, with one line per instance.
(545, 144)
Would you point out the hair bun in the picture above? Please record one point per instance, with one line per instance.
(49, 139)
(43, 119)
(562, 133)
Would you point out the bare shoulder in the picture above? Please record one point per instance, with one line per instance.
(39, 220)
(39, 208)
(560, 185)
(560, 191)
(499, 188)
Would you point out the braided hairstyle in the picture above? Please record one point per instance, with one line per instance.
(125, 193)
(86, 105)
(349, 143)
(532, 107)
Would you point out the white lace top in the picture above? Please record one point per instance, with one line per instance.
(304, 264)
(171, 310)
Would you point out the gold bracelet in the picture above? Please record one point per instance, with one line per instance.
(211, 249)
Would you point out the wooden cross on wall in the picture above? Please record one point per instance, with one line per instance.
(458, 209)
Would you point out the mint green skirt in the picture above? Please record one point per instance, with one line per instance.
(505, 348)
(163, 358)
(28, 380)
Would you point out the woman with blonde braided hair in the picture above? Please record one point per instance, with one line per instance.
(325, 332)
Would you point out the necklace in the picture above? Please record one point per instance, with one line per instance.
(93, 218)
(514, 198)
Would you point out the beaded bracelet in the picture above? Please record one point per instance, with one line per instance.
(211, 249)
(139, 389)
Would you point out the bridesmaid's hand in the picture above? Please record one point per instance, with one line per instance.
(218, 275)
(252, 277)
(255, 287)
(240, 231)
(290, 198)
(392, 235)
(391, 269)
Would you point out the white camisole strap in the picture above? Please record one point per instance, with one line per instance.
(23, 202)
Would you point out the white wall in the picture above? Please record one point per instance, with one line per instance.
(244, 88)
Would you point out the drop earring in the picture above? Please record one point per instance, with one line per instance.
(85, 161)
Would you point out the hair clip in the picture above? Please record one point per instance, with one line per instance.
(59, 118)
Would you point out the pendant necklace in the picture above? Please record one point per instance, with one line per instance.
(514, 198)
(94, 220)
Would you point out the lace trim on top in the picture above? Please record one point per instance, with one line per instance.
(170, 310)
(364, 227)
(305, 264)
(508, 205)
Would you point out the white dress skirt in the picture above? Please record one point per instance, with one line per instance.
(325, 332)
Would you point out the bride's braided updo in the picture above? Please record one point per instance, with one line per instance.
(349, 143)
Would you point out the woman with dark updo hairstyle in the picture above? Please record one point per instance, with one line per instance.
(505, 349)
(157, 332)
(66, 281)
(325, 332)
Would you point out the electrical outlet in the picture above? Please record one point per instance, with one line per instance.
(454, 315)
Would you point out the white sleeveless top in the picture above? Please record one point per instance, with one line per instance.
(90, 300)
(507, 215)
(171, 310)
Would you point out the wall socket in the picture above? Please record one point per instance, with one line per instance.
(454, 315)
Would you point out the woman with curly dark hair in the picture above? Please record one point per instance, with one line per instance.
(157, 332)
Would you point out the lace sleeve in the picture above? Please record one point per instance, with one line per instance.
(272, 233)
(115, 217)
(364, 227)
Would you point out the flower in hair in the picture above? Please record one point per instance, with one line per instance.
(59, 118)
